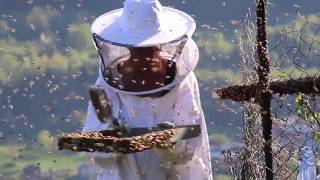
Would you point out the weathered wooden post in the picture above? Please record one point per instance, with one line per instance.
(263, 96)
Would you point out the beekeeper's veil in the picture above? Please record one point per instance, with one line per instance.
(145, 23)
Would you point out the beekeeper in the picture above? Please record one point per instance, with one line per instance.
(147, 58)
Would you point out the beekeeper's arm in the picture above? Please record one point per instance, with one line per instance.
(190, 113)
(107, 161)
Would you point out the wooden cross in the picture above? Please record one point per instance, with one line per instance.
(262, 91)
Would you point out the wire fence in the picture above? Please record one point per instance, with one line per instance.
(294, 52)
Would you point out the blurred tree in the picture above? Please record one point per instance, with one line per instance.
(79, 37)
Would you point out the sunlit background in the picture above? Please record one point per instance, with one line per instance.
(47, 62)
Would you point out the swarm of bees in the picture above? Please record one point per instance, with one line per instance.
(109, 141)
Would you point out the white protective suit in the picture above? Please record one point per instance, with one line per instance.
(307, 165)
(188, 160)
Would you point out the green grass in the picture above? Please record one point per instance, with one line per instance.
(55, 161)
(222, 177)
(218, 138)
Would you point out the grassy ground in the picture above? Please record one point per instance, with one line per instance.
(14, 158)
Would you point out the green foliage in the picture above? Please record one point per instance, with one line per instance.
(209, 76)
(46, 140)
(305, 112)
(219, 138)
(13, 158)
(317, 138)
(29, 58)
(280, 73)
(295, 25)
(39, 17)
(291, 72)
(80, 36)
(214, 44)
(59, 41)
(222, 177)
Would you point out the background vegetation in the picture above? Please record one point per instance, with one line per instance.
(47, 62)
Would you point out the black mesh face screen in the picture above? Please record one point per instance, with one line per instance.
(116, 59)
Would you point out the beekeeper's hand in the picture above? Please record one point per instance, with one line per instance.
(181, 152)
